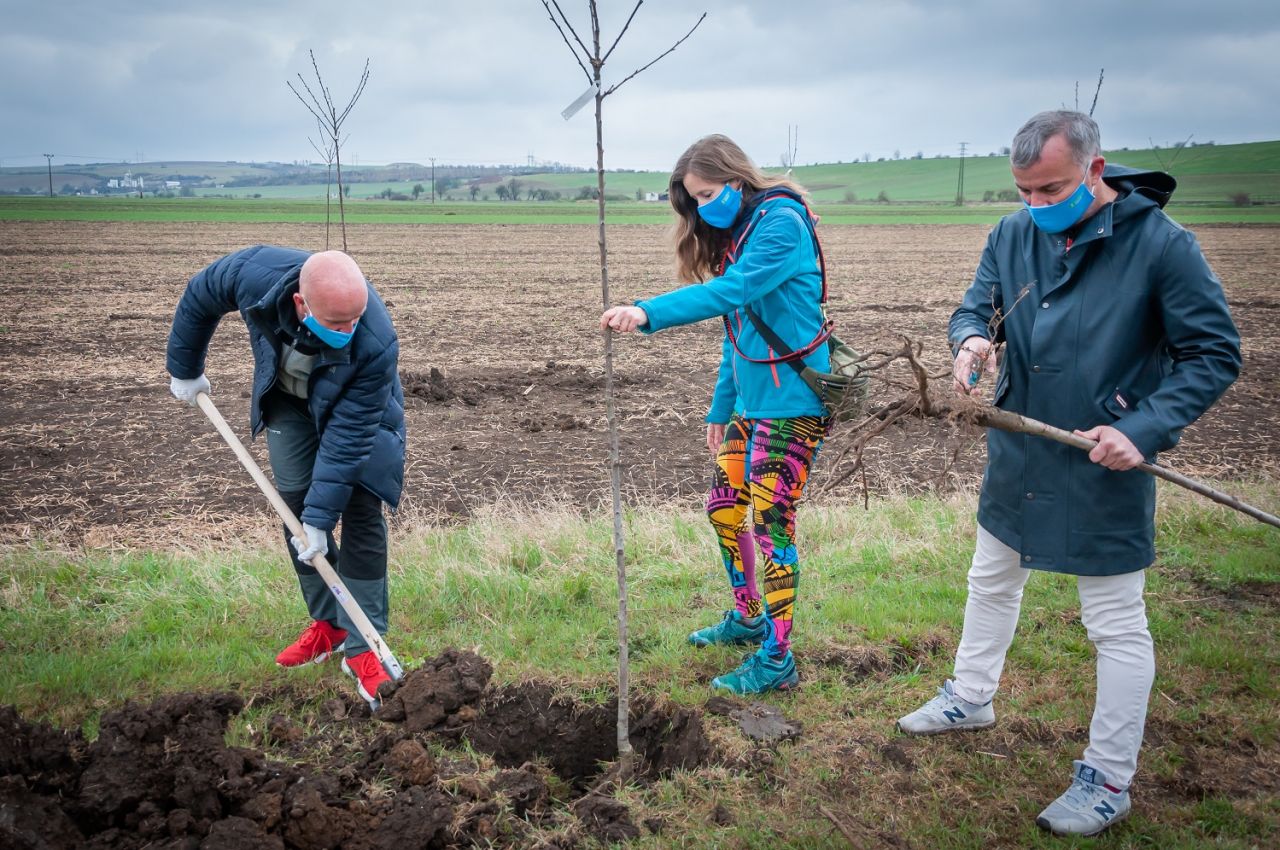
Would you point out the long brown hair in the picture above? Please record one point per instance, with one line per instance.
(717, 159)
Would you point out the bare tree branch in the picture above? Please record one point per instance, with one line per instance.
(572, 31)
(609, 52)
(576, 58)
(853, 840)
(364, 80)
(1177, 151)
(613, 88)
(318, 110)
(328, 99)
(1094, 105)
(1156, 151)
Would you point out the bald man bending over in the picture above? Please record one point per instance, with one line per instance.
(327, 391)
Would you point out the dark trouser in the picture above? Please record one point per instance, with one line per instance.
(292, 443)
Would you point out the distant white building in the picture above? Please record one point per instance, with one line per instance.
(128, 181)
(656, 196)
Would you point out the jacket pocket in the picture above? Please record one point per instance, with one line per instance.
(1119, 403)
(383, 472)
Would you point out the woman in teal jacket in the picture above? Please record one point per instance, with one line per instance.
(745, 243)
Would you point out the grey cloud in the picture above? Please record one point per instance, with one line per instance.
(485, 80)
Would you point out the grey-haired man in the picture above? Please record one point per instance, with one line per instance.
(1113, 325)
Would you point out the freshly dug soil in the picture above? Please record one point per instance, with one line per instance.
(161, 775)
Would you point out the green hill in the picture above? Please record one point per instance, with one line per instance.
(1206, 174)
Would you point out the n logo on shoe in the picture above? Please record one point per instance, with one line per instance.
(953, 714)
(1105, 809)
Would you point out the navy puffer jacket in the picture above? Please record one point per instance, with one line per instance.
(354, 392)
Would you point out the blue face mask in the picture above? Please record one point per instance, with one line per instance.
(722, 210)
(1055, 218)
(330, 337)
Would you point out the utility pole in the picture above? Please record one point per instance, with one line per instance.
(49, 159)
(433, 179)
(960, 182)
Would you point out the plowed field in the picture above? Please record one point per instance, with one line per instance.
(502, 368)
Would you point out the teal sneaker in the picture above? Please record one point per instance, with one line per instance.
(731, 630)
(759, 673)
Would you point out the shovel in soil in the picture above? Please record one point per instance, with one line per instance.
(322, 566)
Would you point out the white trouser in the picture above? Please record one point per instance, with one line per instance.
(1115, 618)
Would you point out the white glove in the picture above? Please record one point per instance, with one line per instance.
(186, 389)
(317, 543)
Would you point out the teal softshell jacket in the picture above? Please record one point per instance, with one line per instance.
(778, 275)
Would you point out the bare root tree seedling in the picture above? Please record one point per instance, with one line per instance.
(918, 402)
(596, 59)
(329, 119)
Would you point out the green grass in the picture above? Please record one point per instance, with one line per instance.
(288, 210)
(535, 593)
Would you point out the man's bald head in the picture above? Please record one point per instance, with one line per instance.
(332, 285)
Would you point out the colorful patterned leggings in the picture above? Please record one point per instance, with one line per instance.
(763, 465)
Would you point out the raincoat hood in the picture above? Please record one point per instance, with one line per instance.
(1155, 185)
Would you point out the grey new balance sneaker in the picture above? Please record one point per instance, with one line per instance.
(1087, 807)
(946, 712)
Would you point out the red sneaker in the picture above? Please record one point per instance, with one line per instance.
(316, 643)
(367, 670)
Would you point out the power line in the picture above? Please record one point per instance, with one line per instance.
(960, 181)
(98, 157)
(49, 158)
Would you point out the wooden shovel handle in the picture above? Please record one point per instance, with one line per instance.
(321, 564)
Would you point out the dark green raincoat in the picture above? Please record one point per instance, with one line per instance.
(1123, 323)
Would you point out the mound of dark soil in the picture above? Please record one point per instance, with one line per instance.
(161, 775)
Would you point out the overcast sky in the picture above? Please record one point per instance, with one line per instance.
(484, 81)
